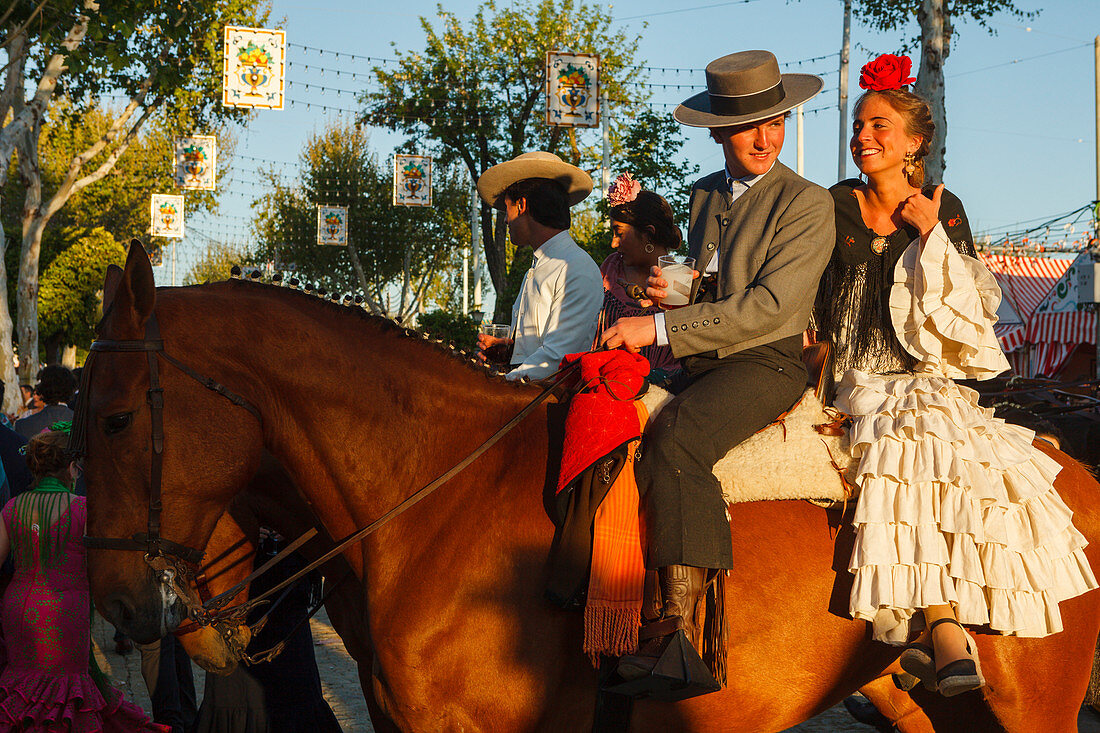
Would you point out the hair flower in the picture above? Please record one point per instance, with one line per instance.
(886, 72)
(61, 426)
(623, 190)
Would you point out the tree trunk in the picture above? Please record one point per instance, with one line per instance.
(68, 356)
(935, 39)
(13, 399)
(26, 293)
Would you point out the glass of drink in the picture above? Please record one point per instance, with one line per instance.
(676, 271)
(496, 330)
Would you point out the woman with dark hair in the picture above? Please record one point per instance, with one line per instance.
(642, 230)
(46, 685)
(957, 519)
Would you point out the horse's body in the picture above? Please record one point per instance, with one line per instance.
(362, 415)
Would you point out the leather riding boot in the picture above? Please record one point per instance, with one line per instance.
(681, 588)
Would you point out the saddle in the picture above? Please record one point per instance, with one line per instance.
(802, 454)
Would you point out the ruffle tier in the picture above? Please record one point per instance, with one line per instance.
(956, 506)
(66, 703)
(943, 306)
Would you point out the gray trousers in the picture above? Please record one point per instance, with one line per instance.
(726, 401)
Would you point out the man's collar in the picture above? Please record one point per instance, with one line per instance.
(553, 246)
(748, 180)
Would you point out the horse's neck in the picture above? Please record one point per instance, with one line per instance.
(359, 415)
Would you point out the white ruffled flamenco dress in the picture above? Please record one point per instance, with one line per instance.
(956, 506)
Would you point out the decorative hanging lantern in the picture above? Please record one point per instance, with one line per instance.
(166, 215)
(332, 225)
(196, 162)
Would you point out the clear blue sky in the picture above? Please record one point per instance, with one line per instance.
(1020, 104)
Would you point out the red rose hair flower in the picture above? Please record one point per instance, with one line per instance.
(886, 72)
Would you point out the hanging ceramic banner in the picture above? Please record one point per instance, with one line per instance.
(196, 162)
(572, 89)
(332, 225)
(254, 64)
(412, 180)
(166, 215)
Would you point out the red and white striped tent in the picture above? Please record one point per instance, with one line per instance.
(1040, 325)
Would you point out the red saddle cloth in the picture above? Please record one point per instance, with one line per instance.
(601, 416)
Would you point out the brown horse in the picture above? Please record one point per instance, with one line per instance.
(361, 415)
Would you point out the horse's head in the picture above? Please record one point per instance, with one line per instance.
(204, 451)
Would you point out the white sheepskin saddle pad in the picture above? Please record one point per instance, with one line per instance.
(786, 460)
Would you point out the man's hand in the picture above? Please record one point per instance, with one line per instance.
(630, 333)
(655, 286)
(922, 213)
(494, 349)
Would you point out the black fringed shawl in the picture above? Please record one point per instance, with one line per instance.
(852, 309)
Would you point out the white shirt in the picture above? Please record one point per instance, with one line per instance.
(557, 307)
(737, 186)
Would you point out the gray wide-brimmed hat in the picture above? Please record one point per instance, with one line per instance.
(746, 87)
(538, 164)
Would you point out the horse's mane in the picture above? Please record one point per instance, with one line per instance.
(349, 309)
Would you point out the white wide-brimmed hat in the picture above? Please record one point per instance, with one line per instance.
(746, 87)
(538, 164)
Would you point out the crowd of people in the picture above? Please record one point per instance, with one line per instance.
(957, 522)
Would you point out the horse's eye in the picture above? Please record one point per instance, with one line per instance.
(117, 423)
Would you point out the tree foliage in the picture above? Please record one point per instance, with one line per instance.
(163, 59)
(215, 264)
(936, 19)
(651, 153)
(476, 92)
(70, 296)
(394, 253)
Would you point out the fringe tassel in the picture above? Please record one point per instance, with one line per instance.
(715, 629)
(1092, 697)
(611, 632)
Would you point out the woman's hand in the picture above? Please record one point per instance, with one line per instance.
(922, 213)
(655, 286)
(630, 333)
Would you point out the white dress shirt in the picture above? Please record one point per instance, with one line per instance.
(557, 307)
(737, 186)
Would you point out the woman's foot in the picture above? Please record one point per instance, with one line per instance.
(956, 658)
(918, 659)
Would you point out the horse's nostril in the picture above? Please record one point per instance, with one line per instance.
(119, 610)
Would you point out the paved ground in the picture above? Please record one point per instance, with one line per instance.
(341, 684)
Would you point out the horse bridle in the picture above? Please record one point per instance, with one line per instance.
(173, 561)
(165, 556)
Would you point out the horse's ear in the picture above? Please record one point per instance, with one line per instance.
(110, 285)
(135, 294)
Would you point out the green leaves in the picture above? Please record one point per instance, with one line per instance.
(69, 295)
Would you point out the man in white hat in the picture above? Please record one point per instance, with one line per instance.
(556, 310)
(761, 235)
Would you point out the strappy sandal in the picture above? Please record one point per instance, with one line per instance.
(919, 660)
(962, 675)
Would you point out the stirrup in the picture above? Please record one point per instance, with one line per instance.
(962, 675)
(670, 668)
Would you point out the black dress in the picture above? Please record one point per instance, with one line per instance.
(280, 696)
(852, 309)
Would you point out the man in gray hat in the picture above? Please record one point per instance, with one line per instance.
(761, 235)
(556, 310)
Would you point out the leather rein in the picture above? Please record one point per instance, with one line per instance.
(174, 562)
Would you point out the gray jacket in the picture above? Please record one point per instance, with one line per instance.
(774, 242)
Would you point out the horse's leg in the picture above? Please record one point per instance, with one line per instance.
(896, 705)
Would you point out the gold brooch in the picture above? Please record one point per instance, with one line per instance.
(878, 245)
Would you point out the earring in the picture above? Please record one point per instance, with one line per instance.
(910, 164)
(648, 248)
